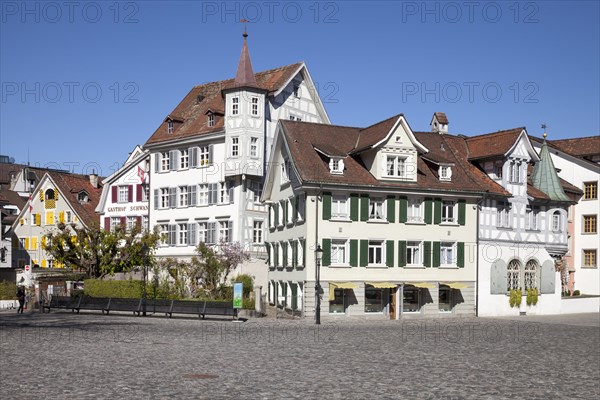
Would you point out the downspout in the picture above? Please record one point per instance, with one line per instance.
(317, 268)
(479, 203)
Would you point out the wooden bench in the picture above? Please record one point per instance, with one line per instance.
(186, 307)
(218, 308)
(92, 303)
(119, 304)
(157, 307)
(61, 302)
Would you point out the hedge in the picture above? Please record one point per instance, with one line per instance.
(8, 290)
(123, 289)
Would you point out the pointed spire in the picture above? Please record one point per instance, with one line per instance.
(544, 176)
(245, 74)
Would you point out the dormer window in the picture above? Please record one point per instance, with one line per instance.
(445, 173)
(395, 166)
(83, 197)
(211, 119)
(336, 166)
(170, 126)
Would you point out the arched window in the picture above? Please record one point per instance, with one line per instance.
(556, 221)
(49, 194)
(512, 273)
(530, 275)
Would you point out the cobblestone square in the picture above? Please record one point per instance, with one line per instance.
(67, 356)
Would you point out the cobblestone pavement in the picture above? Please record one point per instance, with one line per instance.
(66, 356)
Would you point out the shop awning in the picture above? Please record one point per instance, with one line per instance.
(455, 285)
(382, 285)
(423, 285)
(340, 285)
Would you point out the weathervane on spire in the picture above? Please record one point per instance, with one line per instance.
(244, 21)
(544, 126)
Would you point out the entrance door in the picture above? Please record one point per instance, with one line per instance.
(392, 303)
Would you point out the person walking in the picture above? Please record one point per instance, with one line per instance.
(21, 298)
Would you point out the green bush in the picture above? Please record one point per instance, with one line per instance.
(577, 293)
(124, 289)
(248, 304)
(248, 283)
(8, 290)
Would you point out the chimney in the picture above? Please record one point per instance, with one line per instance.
(439, 123)
(94, 180)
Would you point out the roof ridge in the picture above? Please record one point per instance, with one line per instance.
(503, 131)
(319, 123)
(382, 121)
(577, 138)
(267, 71)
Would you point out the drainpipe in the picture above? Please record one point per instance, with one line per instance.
(479, 203)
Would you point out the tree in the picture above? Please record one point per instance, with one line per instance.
(99, 252)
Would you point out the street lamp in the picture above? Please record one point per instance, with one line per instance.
(145, 266)
(318, 258)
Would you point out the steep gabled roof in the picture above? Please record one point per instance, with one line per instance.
(579, 147)
(490, 145)
(194, 106)
(70, 185)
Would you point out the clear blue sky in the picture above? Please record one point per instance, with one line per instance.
(82, 84)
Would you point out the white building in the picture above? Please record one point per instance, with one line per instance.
(125, 194)
(577, 161)
(208, 156)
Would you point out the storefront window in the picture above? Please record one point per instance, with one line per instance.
(339, 303)
(375, 299)
(411, 301)
(445, 298)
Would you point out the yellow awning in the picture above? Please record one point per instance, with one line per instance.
(340, 285)
(455, 285)
(382, 285)
(424, 285)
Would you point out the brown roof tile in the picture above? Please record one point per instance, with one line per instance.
(70, 186)
(441, 117)
(375, 133)
(193, 113)
(580, 147)
(492, 144)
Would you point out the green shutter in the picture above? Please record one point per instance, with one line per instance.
(403, 209)
(326, 206)
(353, 252)
(364, 207)
(389, 253)
(391, 210)
(354, 207)
(402, 253)
(428, 211)
(436, 254)
(294, 209)
(437, 211)
(460, 249)
(364, 253)
(326, 252)
(427, 254)
(461, 212)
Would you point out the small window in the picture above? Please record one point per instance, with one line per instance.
(339, 252)
(447, 253)
(448, 215)
(295, 118)
(395, 166)
(164, 161)
(211, 119)
(254, 106)
(590, 224)
(235, 147)
(590, 190)
(413, 253)
(49, 195)
(339, 207)
(556, 221)
(590, 258)
(254, 147)
(296, 91)
(415, 210)
(170, 126)
(514, 172)
(445, 173)
(183, 196)
(83, 197)
(123, 194)
(183, 234)
(257, 232)
(503, 216)
(235, 106)
(375, 255)
(376, 209)
(184, 159)
(336, 166)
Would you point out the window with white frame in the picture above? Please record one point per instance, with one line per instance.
(300, 205)
(254, 106)
(336, 166)
(289, 211)
(280, 214)
(445, 173)
(339, 206)
(395, 166)
(289, 253)
(375, 254)
(257, 232)
(203, 152)
(255, 191)
(68, 217)
(498, 169)
(254, 147)
(202, 230)
(513, 272)
(164, 197)
(556, 221)
(376, 209)
(145, 222)
(514, 172)
(235, 146)
(123, 194)
(130, 222)
(170, 126)
(285, 172)
(164, 161)
(211, 119)
(448, 215)
(413, 253)
(503, 216)
(415, 210)
(339, 252)
(225, 193)
(225, 231)
(203, 194)
(299, 253)
(183, 196)
(164, 234)
(184, 159)
(182, 230)
(530, 275)
(235, 105)
(447, 253)
(114, 223)
(532, 218)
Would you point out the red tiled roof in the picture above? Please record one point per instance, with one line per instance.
(193, 113)
(492, 144)
(441, 117)
(580, 147)
(11, 197)
(70, 186)
(312, 167)
(375, 133)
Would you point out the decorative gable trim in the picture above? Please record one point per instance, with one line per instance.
(402, 121)
(530, 149)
